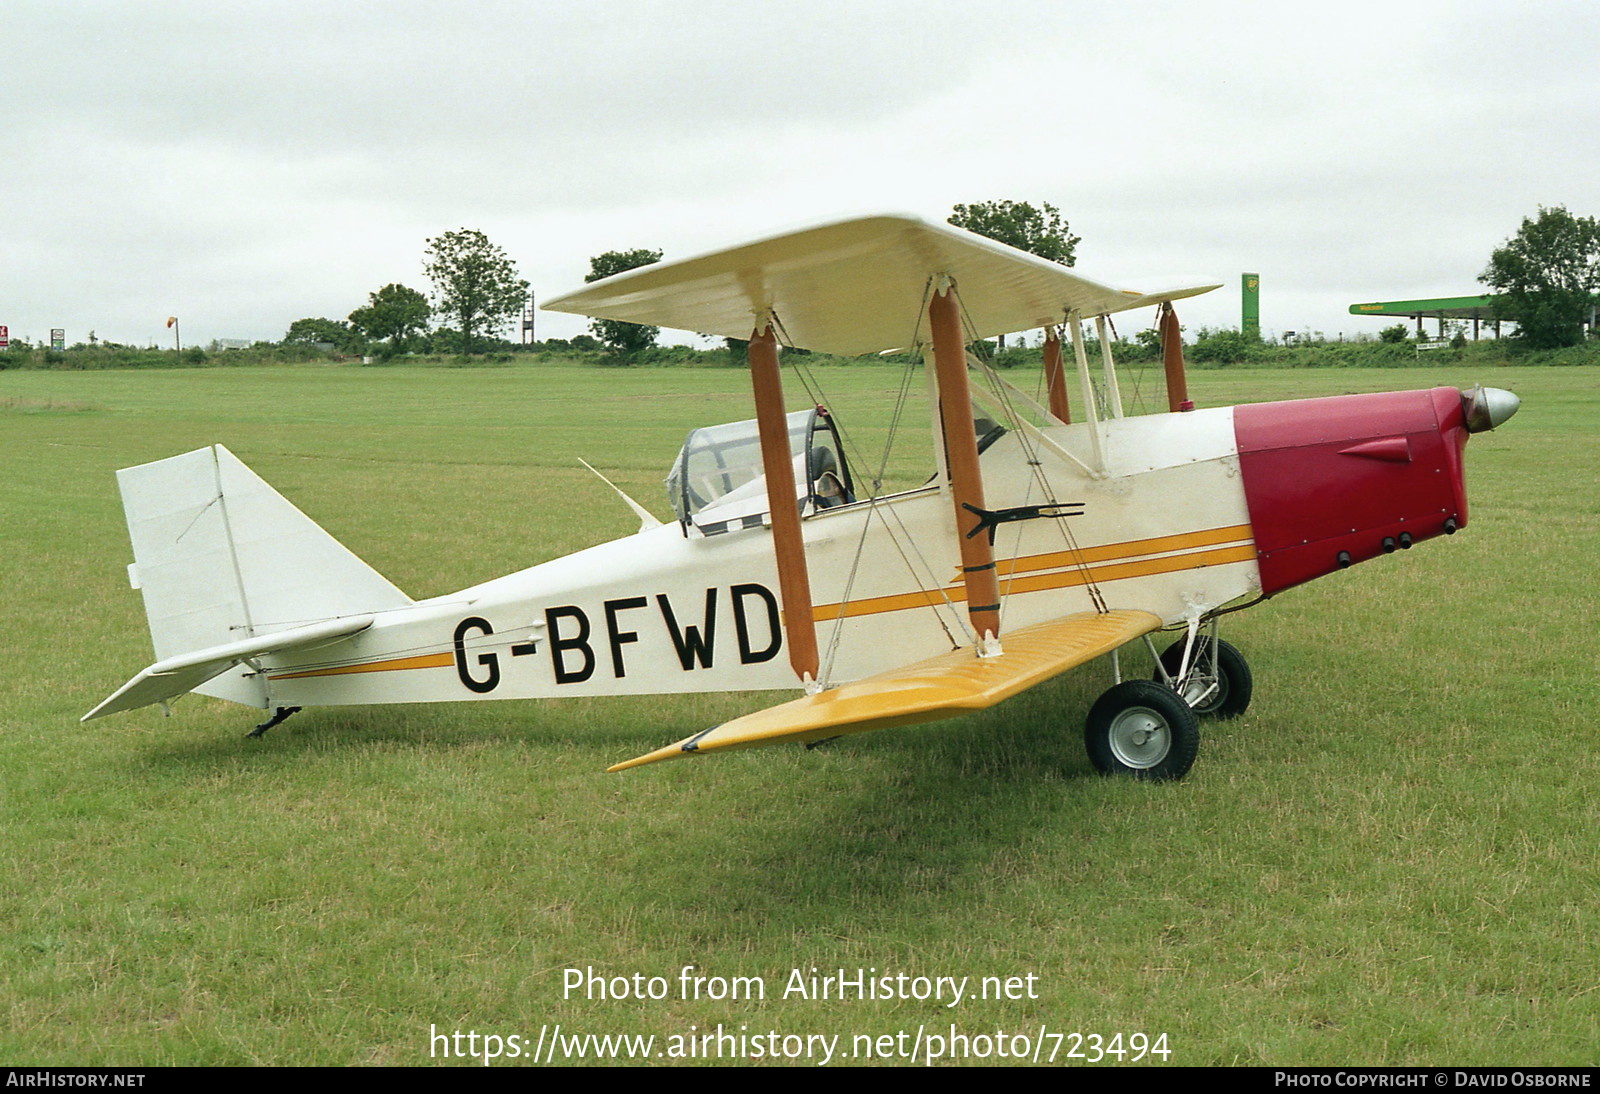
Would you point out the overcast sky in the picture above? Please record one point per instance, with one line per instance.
(242, 165)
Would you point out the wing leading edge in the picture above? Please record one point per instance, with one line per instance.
(944, 686)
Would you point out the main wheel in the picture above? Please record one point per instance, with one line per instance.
(1143, 729)
(1230, 674)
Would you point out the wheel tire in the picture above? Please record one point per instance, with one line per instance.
(1234, 684)
(1143, 729)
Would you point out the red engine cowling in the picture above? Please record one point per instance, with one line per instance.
(1331, 482)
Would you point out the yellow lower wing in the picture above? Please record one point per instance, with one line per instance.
(940, 687)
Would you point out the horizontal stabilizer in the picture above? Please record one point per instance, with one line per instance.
(940, 687)
(179, 675)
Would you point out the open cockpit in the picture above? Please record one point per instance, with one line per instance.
(718, 482)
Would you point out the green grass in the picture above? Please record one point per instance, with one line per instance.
(1391, 859)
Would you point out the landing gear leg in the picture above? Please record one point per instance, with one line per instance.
(1216, 679)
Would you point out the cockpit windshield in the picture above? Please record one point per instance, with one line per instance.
(718, 483)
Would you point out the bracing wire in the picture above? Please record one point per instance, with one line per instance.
(921, 571)
(1039, 476)
(1157, 386)
(1037, 473)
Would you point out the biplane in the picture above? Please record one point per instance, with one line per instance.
(1055, 528)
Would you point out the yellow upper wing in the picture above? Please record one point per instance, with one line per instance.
(855, 286)
(940, 687)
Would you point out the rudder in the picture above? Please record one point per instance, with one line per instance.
(220, 556)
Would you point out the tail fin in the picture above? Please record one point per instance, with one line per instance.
(221, 558)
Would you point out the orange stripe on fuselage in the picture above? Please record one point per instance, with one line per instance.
(1119, 560)
(425, 661)
(1022, 575)
(1158, 545)
(1192, 560)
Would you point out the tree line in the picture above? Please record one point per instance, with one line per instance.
(477, 292)
(1546, 280)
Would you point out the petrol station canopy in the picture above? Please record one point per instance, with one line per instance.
(1475, 308)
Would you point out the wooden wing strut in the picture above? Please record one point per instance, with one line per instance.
(794, 581)
(961, 454)
(1055, 377)
(1172, 359)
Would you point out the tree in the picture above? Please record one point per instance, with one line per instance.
(1547, 277)
(1018, 224)
(1149, 341)
(624, 339)
(474, 283)
(393, 312)
(333, 332)
(1221, 347)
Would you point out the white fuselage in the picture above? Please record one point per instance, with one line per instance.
(1164, 528)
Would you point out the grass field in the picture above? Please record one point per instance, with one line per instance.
(1391, 859)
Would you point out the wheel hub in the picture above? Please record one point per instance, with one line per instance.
(1203, 691)
(1140, 737)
